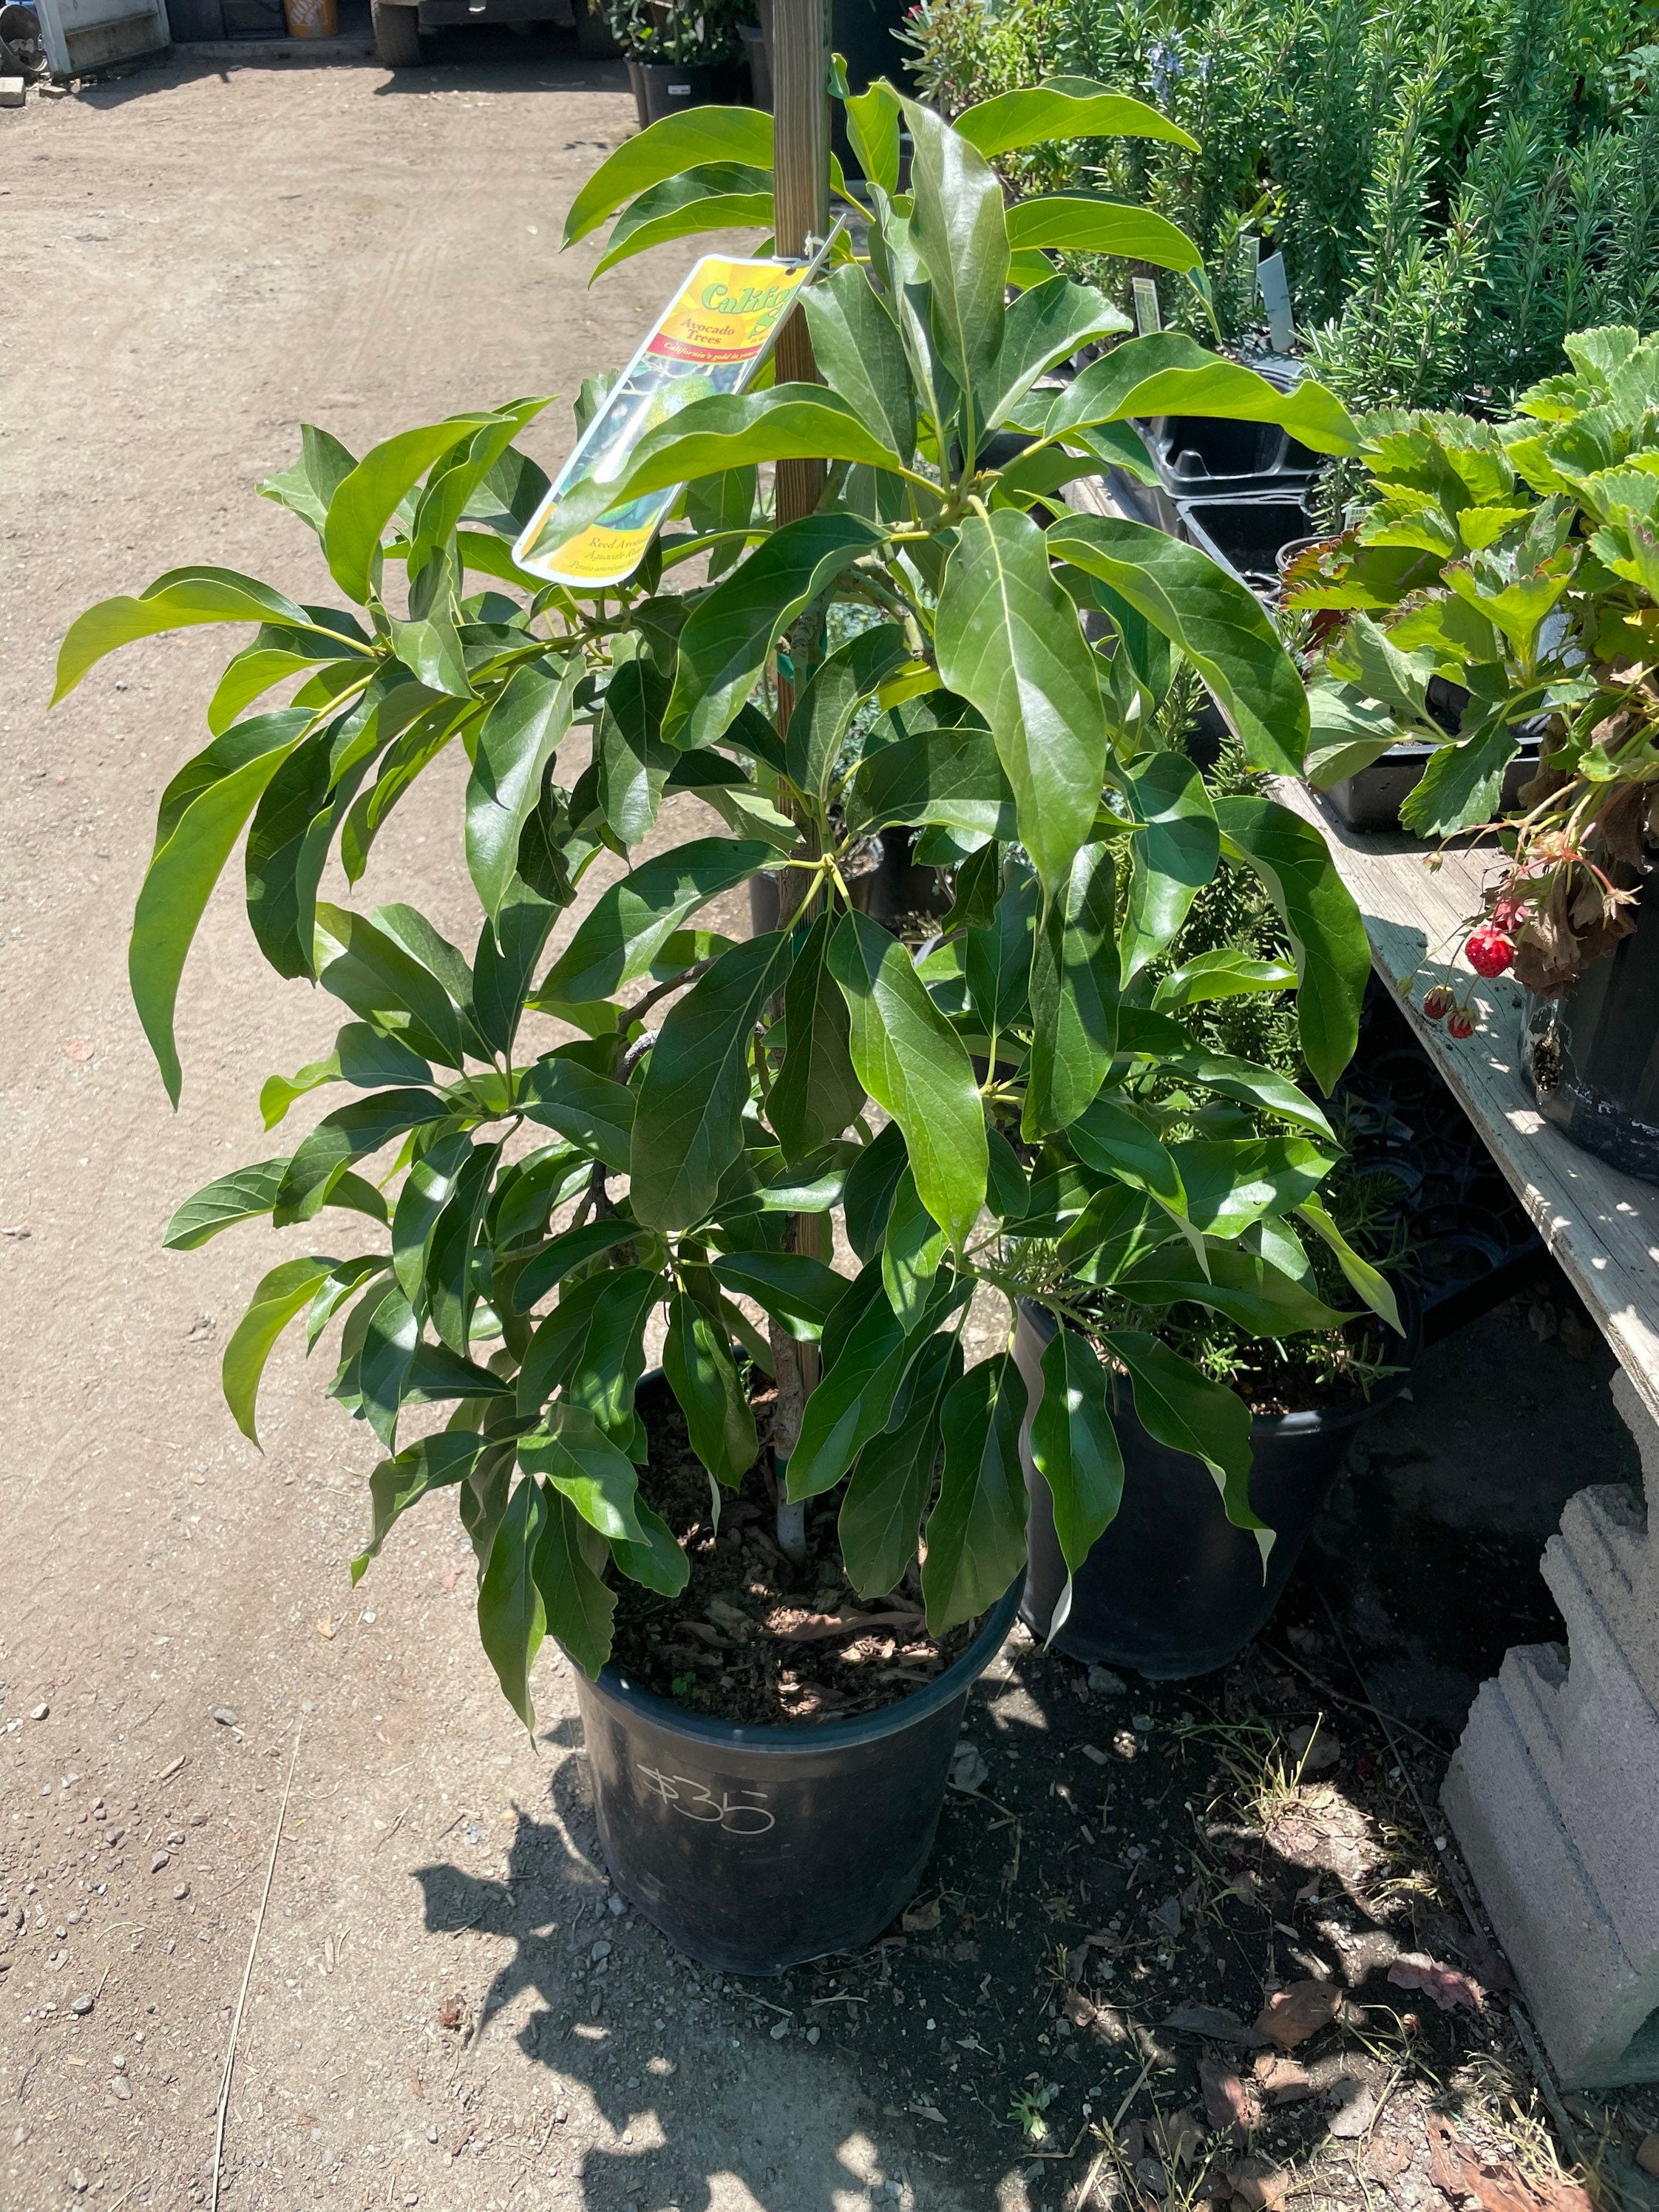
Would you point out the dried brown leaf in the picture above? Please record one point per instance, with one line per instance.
(1292, 2015)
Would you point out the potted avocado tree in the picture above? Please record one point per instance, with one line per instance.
(677, 52)
(1514, 567)
(514, 1204)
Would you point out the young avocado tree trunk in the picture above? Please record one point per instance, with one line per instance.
(801, 31)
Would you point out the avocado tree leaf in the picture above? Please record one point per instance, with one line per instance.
(364, 501)
(1060, 108)
(1174, 855)
(1008, 639)
(1169, 374)
(572, 1247)
(306, 488)
(285, 1291)
(560, 1093)
(517, 740)
(180, 600)
(951, 778)
(913, 1065)
(794, 1289)
(435, 1463)
(977, 1531)
(349, 1134)
(1113, 1141)
(892, 1480)
(1074, 1447)
(714, 196)
(632, 919)
(180, 877)
(1221, 627)
(704, 1378)
(572, 1452)
(960, 229)
(242, 1196)
(723, 647)
(863, 1365)
(578, 1602)
(859, 356)
(659, 1564)
(1074, 994)
(1076, 223)
(688, 1124)
(1328, 937)
(1046, 324)
(824, 709)
(1180, 1407)
(512, 1613)
(681, 142)
(817, 1093)
(1372, 1286)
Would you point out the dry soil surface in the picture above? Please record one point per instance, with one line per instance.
(196, 259)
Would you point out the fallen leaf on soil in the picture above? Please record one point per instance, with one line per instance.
(79, 1048)
(1093, 1752)
(1230, 2105)
(1386, 2157)
(1167, 1915)
(1282, 2081)
(1254, 2182)
(1177, 2138)
(450, 1580)
(1458, 2169)
(451, 2012)
(1647, 2155)
(326, 1627)
(1211, 2020)
(1078, 2009)
(1295, 2014)
(968, 1768)
(816, 1624)
(920, 1918)
(931, 2112)
(1415, 1970)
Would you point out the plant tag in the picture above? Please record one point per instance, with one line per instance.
(1276, 299)
(1148, 315)
(710, 338)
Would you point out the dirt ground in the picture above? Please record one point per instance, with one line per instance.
(446, 2008)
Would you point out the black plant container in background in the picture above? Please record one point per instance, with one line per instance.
(1172, 1589)
(663, 89)
(1592, 1057)
(1245, 535)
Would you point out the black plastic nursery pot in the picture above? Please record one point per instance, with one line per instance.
(1371, 799)
(1207, 457)
(1172, 1589)
(1591, 1058)
(663, 89)
(1245, 535)
(755, 1849)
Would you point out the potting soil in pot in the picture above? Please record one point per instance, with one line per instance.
(753, 1639)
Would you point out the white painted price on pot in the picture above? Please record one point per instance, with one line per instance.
(739, 1813)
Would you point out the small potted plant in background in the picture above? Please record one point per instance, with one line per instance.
(680, 54)
(1516, 566)
(711, 1122)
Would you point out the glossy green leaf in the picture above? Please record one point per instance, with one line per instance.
(870, 1182)
(364, 502)
(976, 1531)
(997, 959)
(306, 488)
(1327, 938)
(1174, 855)
(1008, 639)
(704, 1378)
(435, 1463)
(659, 1564)
(1167, 374)
(892, 1481)
(949, 777)
(1232, 1181)
(913, 1249)
(1462, 786)
(426, 1190)
(282, 1293)
(678, 142)
(1079, 223)
(178, 601)
(589, 1108)
(571, 1452)
(1371, 1285)
(516, 741)
(1074, 994)
(824, 709)
(1182, 1408)
(383, 1366)
(1264, 1088)
(579, 1604)
(1045, 326)
(960, 229)
(350, 1134)
(632, 919)
(584, 1345)
(573, 1247)
(1116, 1227)
(179, 881)
(853, 1399)
(816, 1092)
(452, 1286)
(242, 1196)
(1223, 974)
(794, 1289)
(1249, 1290)
(366, 965)
(1060, 108)
(713, 195)
(859, 356)
(511, 1614)
(915, 1066)
(1221, 627)
(723, 645)
(688, 1124)
(1109, 1138)
(1074, 1446)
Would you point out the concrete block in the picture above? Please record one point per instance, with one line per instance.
(1553, 1793)
(11, 92)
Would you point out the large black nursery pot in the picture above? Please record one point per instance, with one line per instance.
(1592, 1057)
(663, 89)
(754, 1849)
(1172, 1589)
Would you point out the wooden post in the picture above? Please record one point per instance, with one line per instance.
(800, 183)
